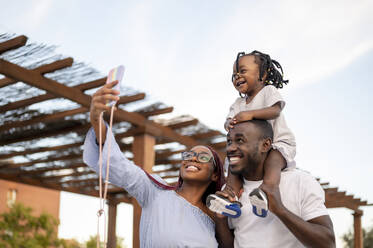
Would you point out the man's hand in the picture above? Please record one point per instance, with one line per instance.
(274, 198)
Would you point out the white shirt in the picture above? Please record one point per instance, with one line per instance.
(301, 194)
(283, 139)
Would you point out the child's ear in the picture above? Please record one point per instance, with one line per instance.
(266, 145)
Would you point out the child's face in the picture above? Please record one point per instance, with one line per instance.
(247, 78)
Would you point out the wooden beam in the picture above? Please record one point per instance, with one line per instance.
(331, 190)
(112, 223)
(49, 96)
(143, 156)
(13, 43)
(17, 72)
(35, 79)
(54, 66)
(358, 230)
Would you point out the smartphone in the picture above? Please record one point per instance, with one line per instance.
(115, 74)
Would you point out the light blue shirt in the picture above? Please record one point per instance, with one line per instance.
(167, 219)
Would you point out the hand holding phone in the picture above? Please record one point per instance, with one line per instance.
(115, 74)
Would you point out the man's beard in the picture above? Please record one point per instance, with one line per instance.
(253, 161)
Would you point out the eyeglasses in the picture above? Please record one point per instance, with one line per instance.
(202, 157)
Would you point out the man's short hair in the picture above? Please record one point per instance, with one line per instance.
(264, 127)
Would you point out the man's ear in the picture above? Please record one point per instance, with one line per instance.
(266, 145)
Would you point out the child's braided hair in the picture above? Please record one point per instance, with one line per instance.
(266, 65)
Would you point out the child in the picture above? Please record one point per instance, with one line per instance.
(256, 77)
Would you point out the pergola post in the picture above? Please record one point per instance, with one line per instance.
(144, 156)
(112, 223)
(358, 231)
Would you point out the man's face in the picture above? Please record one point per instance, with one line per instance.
(243, 149)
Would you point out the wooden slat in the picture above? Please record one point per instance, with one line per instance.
(183, 124)
(54, 66)
(48, 169)
(6, 81)
(74, 174)
(43, 118)
(41, 134)
(165, 154)
(25, 164)
(206, 135)
(157, 112)
(60, 115)
(49, 96)
(132, 98)
(167, 170)
(168, 161)
(13, 43)
(41, 149)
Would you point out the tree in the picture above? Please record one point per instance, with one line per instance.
(92, 242)
(348, 238)
(20, 229)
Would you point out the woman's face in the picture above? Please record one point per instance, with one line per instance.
(195, 168)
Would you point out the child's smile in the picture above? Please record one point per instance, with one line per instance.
(246, 80)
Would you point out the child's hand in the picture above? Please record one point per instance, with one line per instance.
(243, 116)
(228, 124)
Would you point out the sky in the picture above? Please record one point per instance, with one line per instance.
(182, 52)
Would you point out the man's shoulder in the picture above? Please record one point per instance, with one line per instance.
(296, 175)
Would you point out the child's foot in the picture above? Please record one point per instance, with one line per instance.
(259, 201)
(222, 205)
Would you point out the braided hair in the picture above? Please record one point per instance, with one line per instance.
(266, 65)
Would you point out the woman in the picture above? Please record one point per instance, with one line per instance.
(171, 216)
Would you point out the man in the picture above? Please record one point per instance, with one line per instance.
(297, 215)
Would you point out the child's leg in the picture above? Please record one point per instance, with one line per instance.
(273, 165)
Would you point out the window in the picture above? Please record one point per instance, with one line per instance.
(11, 197)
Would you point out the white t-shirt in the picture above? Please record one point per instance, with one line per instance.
(283, 139)
(300, 193)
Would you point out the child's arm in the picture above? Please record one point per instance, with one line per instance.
(268, 113)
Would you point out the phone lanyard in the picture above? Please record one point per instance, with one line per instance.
(101, 211)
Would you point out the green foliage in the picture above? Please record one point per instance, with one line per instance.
(348, 238)
(20, 229)
(92, 243)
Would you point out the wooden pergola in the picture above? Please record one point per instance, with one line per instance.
(44, 108)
